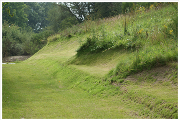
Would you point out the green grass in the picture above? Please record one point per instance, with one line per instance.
(44, 87)
(33, 91)
(151, 41)
(98, 63)
(59, 83)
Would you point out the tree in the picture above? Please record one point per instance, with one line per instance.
(47, 6)
(17, 35)
(60, 17)
(12, 39)
(126, 6)
(94, 9)
(78, 9)
(34, 15)
(105, 9)
(101, 10)
(18, 10)
(37, 13)
(66, 14)
(7, 9)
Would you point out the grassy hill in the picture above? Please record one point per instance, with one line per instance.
(120, 67)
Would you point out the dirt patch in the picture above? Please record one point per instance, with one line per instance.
(159, 73)
(162, 74)
(15, 58)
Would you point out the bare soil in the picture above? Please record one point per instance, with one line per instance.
(158, 73)
(15, 58)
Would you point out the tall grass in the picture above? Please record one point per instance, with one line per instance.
(151, 36)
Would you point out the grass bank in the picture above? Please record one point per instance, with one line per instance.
(42, 87)
(87, 75)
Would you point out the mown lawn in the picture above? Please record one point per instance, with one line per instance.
(44, 86)
(29, 93)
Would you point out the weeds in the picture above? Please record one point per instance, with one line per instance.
(96, 43)
(151, 41)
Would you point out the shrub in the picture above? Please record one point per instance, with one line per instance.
(97, 43)
(88, 46)
(17, 41)
(11, 40)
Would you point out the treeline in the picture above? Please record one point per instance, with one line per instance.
(24, 29)
(27, 25)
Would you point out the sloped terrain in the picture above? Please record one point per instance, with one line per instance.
(58, 82)
(44, 86)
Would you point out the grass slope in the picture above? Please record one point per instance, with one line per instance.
(56, 82)
(45, 88)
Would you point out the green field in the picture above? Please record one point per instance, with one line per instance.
(133, 78)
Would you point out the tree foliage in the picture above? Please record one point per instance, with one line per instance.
(79, 9)
(18, 37)
(18, 10)
(7, 10)
(37, 14)
(102, 10)
(18, 41)
(93, 9)
(60, 17)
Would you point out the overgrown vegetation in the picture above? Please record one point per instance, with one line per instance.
(150, 35)
(66, 19)
(17, 41)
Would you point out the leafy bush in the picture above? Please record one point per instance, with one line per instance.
(88, 45)
(11, 35)
(17, 41)
(95, 44)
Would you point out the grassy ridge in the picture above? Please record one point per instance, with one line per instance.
(37, 87)
(46, 89)
(60, 82)
(150, 37)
